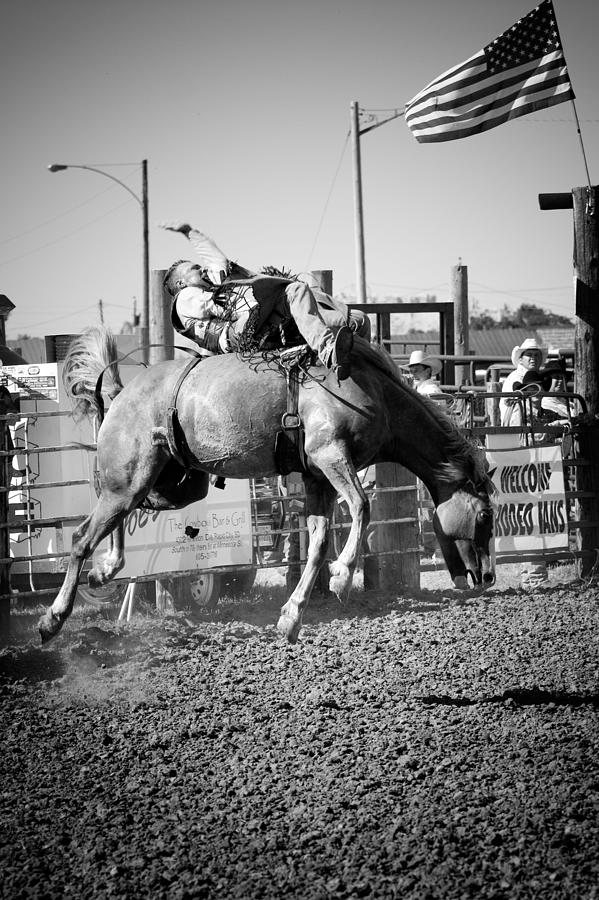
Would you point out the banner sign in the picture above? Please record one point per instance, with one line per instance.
(38, 381)
(531, 510)
(213, 532)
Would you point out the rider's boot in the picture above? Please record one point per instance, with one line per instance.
(338, 353)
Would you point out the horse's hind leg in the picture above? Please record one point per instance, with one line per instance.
(108, 514)
(339, 469)
(106, 568)
(320, 497)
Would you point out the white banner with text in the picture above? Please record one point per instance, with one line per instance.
(531, 510)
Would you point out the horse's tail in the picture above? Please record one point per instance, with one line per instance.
(91, 366)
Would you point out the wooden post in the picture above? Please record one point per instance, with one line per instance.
(161, 348)
(584, 202)
(161, 337)
(459, 297)
(586, 365)
(586, 264)
(401, 568)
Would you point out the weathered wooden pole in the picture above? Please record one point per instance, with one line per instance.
(160, 339)
(586, 274)
(584, 202)
(397, 542)
(459, 298)
(160, 328)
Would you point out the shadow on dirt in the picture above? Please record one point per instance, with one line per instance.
(519, 697)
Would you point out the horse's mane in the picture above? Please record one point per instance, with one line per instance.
(467, 461)
(91, 354)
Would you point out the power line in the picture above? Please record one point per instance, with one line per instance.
(326, 205)
(6, 262)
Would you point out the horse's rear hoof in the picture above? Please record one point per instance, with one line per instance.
(48, 626)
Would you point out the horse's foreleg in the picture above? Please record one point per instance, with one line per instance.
(320, 497)
(104, 519)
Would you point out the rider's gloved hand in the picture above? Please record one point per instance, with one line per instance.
(181, 227)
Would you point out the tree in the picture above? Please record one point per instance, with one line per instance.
(530, 316)
(526, 316)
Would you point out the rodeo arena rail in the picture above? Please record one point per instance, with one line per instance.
(545, 501)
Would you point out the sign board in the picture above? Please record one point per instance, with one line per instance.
(32, 381)
(216, 531)
(531, 510)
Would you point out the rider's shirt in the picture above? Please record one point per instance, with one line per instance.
(218, 320)
(196, 308)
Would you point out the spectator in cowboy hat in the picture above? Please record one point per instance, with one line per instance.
(424, 370)
(526, 358)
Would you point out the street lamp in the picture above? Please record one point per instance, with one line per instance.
(143, 202)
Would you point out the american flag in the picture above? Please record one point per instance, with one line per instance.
(521, 71)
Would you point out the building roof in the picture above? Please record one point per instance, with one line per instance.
(557, 338)
(490, 343)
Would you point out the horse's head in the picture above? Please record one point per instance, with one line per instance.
(463, 524)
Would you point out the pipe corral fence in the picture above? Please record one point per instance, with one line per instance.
(400, 542)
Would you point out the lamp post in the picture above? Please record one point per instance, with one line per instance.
(143, 202)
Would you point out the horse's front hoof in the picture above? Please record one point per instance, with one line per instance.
(289, 624)
(461, 582)
(48, 626)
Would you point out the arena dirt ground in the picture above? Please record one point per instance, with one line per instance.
(419, 744)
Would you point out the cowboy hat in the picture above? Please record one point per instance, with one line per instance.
(419, 358)
(528, 344)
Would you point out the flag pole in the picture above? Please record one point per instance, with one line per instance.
(358, 207)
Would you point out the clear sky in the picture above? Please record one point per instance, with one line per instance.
(243, 112)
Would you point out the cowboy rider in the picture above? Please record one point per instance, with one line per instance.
(225, 308)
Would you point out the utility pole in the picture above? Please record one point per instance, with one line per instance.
(358, 206)
(355, 132)
(145, 318)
